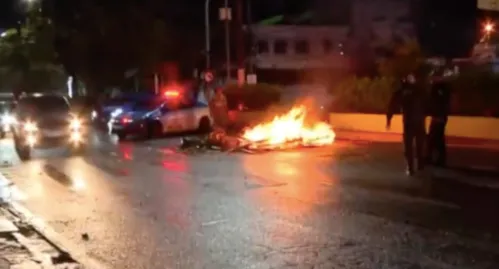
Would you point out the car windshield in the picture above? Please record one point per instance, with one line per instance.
(5, 107)
(146, 105)
(46, 104)
(116, 101)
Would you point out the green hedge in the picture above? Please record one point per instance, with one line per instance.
(474, 93)
(363, 95)
(253, 97)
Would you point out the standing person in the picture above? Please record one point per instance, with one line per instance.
(439, 112)
(219, 110)
(410, 97)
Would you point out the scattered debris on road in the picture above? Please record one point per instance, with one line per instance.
(293, 129)
(85, 237)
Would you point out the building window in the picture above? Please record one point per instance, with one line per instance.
(280, 47)
(262, 46)
(327, 45)
(302, 47)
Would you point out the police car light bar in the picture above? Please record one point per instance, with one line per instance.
(171, 94)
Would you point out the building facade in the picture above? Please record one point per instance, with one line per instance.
(356, 29)
(299, 47)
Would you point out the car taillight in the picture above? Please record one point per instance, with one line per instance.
(126, 120)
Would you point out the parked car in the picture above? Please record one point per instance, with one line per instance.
(103, 112)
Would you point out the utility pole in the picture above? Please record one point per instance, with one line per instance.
(251, 41)
(240, 44)
(207, 36)
(228, 17)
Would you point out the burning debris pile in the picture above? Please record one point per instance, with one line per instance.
(289, 130)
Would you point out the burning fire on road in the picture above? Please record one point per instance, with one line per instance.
(289, 130)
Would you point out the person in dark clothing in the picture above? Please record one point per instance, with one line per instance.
(439, 112)
(410, 97)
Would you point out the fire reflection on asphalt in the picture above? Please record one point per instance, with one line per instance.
(303, 179)
(78, 184)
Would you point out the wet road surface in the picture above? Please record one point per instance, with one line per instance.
(146, 205)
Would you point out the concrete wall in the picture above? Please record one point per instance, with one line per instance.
(467, 127)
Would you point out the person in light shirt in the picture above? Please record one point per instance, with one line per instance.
(219, 110)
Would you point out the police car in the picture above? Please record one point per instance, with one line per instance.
(105, 111)
(158, 116)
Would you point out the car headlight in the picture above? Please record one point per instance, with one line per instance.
(75, 124)
(94, 114)
(8, 119)
(116, 112)
(30, 127)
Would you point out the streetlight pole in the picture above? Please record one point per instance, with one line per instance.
(227, 37)
(207, 32)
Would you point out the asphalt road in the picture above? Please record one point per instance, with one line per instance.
(147, 205)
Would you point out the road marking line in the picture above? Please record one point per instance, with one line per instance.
(214, 222)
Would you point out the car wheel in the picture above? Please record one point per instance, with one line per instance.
(204, 125)
(79, 149)
(23, 152)
(154, 129)
(122, 136)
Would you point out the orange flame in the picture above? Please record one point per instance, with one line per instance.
(290, 130)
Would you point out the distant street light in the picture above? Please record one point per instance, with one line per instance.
(4, 34)
(488, 27)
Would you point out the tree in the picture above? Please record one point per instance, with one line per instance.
(27, 56)
(99, 43)
(406, 58)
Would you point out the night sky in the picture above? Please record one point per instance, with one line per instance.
(266, 8)
(261, 9)
(6, 14)
(438, 17)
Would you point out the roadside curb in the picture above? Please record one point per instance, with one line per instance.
(379, 137)
(7, 190)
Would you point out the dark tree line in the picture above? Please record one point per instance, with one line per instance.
(97, 42)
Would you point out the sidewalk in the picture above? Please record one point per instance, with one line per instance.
(22, 247)
(394, 138)
(12, 253)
